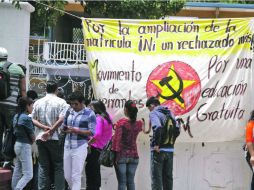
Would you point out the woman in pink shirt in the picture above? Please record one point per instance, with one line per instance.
(103, 133)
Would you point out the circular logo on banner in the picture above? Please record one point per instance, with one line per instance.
(176, 85)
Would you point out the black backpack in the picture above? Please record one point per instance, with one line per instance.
(5, 91)
(9, 142)
(169, 132)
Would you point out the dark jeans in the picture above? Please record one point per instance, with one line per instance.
(125, 173)
(93, 173)
(162, 170)
(50, 152)
(6, 117)
(252, 182)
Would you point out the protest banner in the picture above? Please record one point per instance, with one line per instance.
(200, 68)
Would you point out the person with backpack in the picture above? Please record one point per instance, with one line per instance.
(12, 85)
(165, 130)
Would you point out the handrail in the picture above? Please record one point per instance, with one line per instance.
(58, 51)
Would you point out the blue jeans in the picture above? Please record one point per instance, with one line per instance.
(50, 159)
(125, 173)
(23, 170)
(162, 170)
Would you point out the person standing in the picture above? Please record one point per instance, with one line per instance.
(78, 125)
(249, 142)
(32, 94)
(24, 132)
(33, 184)
(103, 133)
(125, 146)
(48, 115)
(161, 157)
(9, 104)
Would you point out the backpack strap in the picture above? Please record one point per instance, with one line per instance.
(166, 118)
(6, 66)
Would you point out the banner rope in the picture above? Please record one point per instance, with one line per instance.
(58, 10)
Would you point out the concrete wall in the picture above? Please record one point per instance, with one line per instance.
(211, 166)
(15, 30)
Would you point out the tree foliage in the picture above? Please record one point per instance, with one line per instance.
(139, 9)
(224, 1)
(43, 16)
(129, 9)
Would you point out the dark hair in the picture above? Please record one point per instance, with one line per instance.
(60, 93)
(32, 94)
(152, 100)
(51, 86)
(131, 109)
(77, 95)
(251, 116)
(87, 102)
(100, 108)
(18, 97)
(22, 103)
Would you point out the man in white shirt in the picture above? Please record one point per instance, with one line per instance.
(48, 115)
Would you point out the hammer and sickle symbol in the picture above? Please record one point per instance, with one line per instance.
(176, 94)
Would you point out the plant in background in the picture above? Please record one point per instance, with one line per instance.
(129, 9)
(43, 16)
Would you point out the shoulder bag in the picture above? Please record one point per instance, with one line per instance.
(107, 156)
(9, 142)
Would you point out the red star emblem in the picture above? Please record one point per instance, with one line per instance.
(176, 85)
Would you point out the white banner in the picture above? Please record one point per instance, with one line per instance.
(197, 68)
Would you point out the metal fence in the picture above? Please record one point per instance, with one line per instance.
(63, 62)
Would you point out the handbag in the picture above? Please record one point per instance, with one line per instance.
(107, 156)
(9, 142)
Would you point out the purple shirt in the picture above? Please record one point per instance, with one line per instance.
(103, 132)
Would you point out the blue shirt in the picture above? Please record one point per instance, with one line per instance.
(24, 130)
(83, 120)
